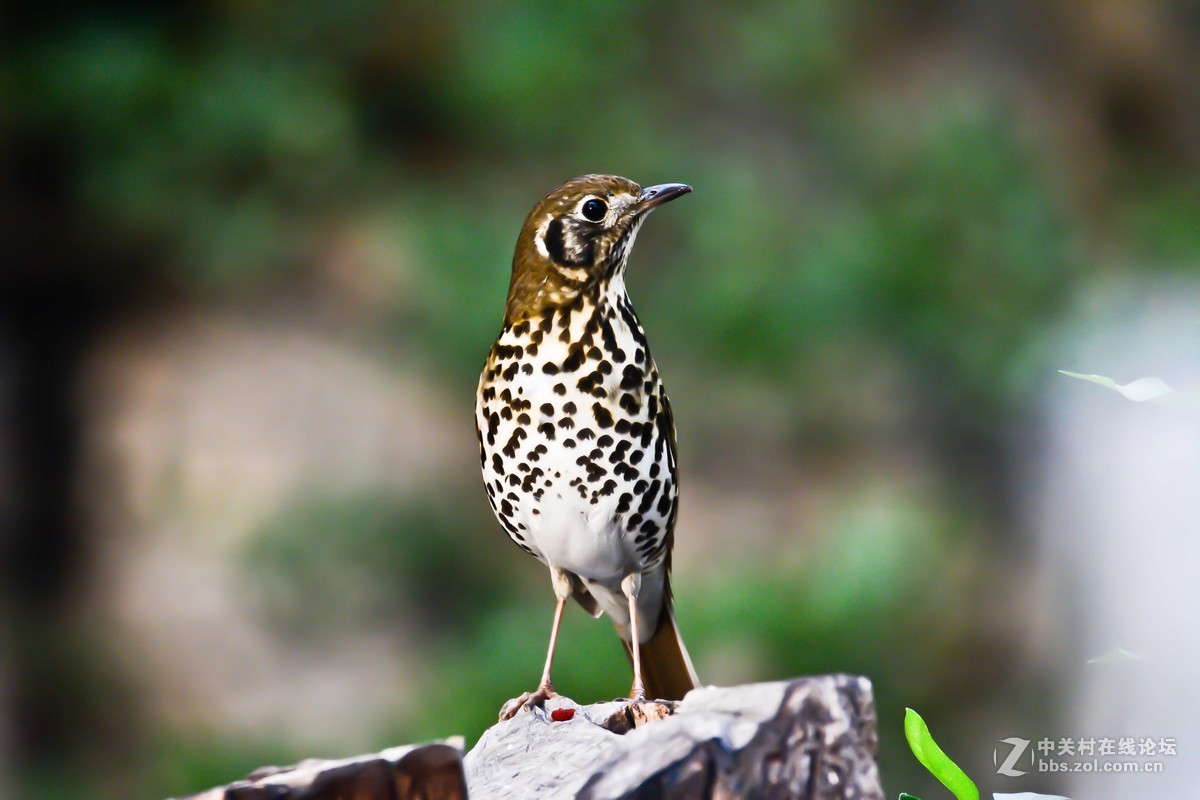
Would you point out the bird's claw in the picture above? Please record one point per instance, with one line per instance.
(527, 700)
(635, 713)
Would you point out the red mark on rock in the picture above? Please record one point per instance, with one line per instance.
(562, 714)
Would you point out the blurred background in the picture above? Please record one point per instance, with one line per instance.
(252, 256)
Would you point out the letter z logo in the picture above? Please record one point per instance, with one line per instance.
(1019, 746)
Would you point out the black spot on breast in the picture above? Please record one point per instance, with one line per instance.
(514, 441)
(585, 433)
(591, 384)
(630, 403)
(523, 419)
(605, 441)
(547, 409)
(547, 429)
(608, 334)
(497, 464)
(604, 417)
(631, 377)
(511, 371)
(574, 359)
(560, 389)
(649, 497)
(550, 368)
(566, 423)
(604, 368)
(527, 368)
(620, 450)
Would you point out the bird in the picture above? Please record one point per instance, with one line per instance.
(576, 434)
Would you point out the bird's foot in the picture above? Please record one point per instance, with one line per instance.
(641, 710)
(636, 712)
(527, 700)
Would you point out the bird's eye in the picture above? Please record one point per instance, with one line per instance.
(594, 210)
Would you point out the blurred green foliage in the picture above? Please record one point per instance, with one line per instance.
(837, 224)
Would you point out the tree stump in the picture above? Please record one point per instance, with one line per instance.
(812, 738)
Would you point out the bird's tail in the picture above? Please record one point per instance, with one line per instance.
(667, 669)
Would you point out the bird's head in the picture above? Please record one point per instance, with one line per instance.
(577, 239)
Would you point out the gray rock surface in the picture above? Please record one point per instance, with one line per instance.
(809, 738)
(412, 772)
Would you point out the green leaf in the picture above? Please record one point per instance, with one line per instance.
(907, 796)
(1142, 390)
(931, 756)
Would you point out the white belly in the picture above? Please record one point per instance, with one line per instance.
(580, 539)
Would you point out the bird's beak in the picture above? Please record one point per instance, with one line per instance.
(653, 196)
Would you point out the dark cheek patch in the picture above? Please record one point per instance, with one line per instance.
(554, 239)
(581, 245)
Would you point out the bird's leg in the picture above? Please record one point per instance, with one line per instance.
(545, 690)
(631, 585)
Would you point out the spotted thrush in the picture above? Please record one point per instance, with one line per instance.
(576, 436)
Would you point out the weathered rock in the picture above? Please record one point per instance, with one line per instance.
(809, 738)
(427, 772)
